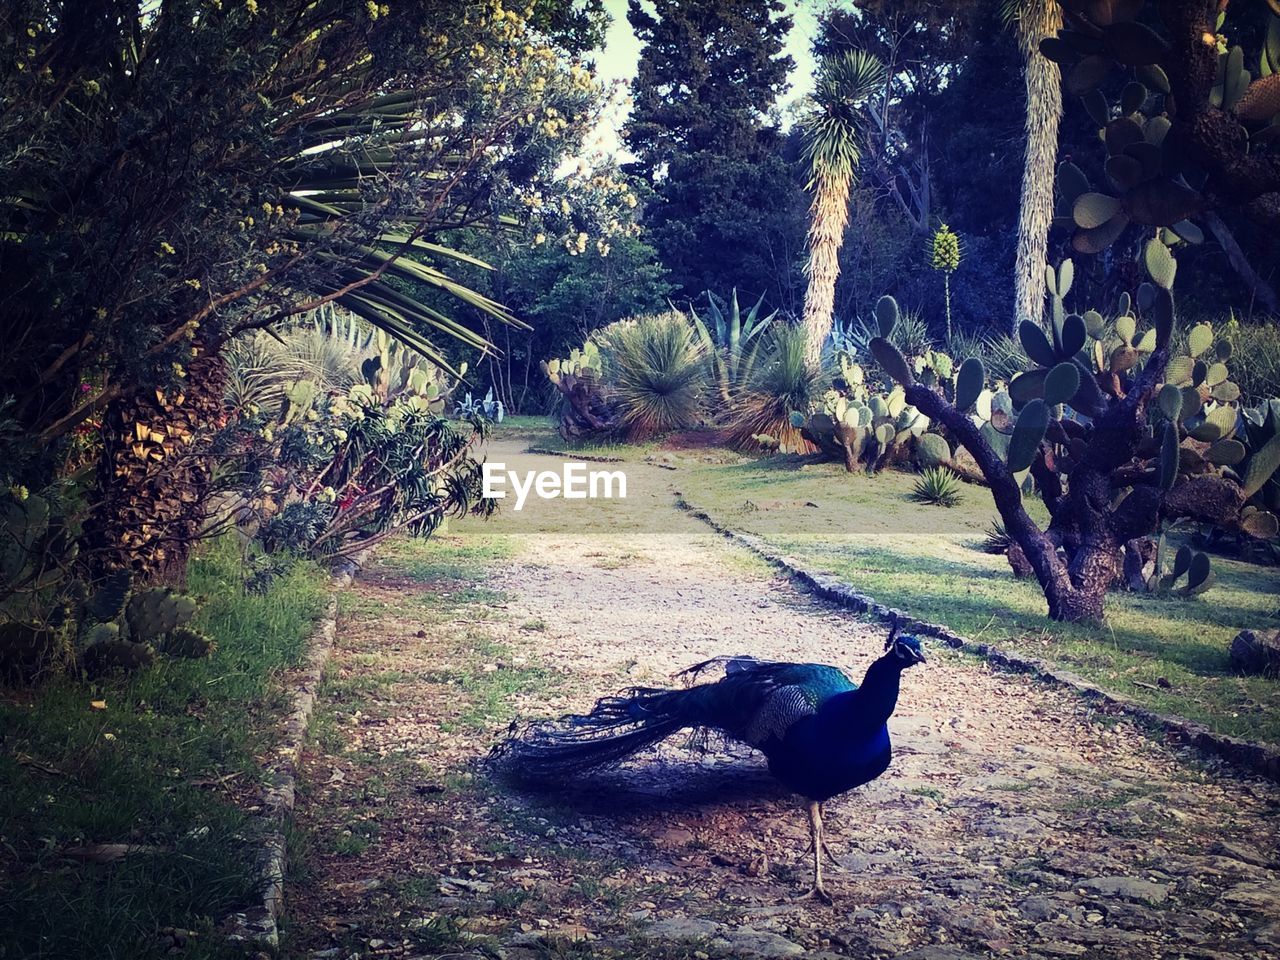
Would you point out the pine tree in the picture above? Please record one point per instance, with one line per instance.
(727, 209)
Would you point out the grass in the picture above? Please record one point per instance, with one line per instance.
(929, 564)
(159, 766)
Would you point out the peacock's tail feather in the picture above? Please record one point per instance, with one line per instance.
(616, 728)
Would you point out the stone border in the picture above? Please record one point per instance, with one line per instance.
(258, 926)
(1261, 759)
(570, 455)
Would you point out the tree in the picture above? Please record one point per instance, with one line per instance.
(1148, 442)
(724, 201)
(1035, 20)
(832, 128)
(176, 179)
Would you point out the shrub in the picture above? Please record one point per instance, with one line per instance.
(658, 370)
(937, 486)
(1003, 356)
(785, 383)
(1255, 359)
(997, 539)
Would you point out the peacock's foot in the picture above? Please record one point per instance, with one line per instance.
(816, 892)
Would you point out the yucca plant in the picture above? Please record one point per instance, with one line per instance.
(658, 368)
(785, 383)
(832, 130)
(937, 486)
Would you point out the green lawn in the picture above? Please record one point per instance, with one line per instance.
(924, 560)
(160, 765)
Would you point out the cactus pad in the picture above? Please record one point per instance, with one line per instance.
(1032, 423)
(154, 612)
(187, 643)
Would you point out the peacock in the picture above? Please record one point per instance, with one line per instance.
(821, 733)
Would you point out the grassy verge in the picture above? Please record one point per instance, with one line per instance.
(1166, 652)
(161, 766)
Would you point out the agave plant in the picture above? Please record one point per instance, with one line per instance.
(937, 486)
(730, 347)
(784, 385)
(996, 540)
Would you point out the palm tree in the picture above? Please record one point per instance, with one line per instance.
(1034, 20)
(832, 131)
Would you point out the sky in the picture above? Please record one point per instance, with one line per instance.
(617, 62)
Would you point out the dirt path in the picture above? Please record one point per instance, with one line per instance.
(1013, 822)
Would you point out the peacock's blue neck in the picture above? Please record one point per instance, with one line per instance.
(872, 704)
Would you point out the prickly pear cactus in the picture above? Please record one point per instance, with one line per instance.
(154, 612)
(1190, 575)
(1146, 141)
(186, 643)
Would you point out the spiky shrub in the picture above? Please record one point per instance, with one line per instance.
(996, 540)
(785, 383)
(1002, 355)
(1118, 436)
(937, 486)
(732, 340)
(658, 370)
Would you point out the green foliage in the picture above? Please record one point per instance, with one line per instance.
(352, 469)
(937, 486)
(307, 207)
(832, 123)
(727, 341)
(657, 366)
(1255, 358)
(725, 201)
(172, 729)
(783, 385)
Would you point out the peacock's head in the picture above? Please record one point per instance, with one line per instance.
(907, 649)
(904, 648)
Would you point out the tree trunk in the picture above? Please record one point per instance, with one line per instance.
(1258, 288)
(830, 214)
(1074, 593)
(1038, 19)
(154, 476)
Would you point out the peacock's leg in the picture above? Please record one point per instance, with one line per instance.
(826, 848)
(819, 891)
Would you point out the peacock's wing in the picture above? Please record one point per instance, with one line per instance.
(757, 701)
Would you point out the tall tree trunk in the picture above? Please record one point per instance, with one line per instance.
(1038, 19)
(830, 217)
(1259, 289)
(155, 474)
